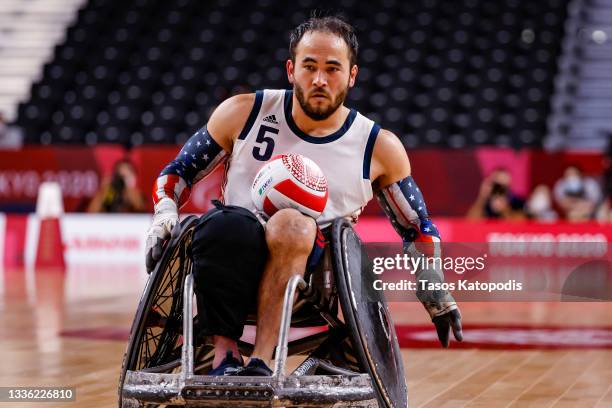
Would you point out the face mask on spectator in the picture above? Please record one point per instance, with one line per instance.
(573, 186)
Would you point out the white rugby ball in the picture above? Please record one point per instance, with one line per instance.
(290, 181)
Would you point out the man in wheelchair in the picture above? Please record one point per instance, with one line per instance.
(240, 260)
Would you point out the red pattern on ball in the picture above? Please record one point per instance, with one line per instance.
(306, 175)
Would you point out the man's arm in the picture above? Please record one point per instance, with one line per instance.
(398, 193)
(404, 205)
(203, 152)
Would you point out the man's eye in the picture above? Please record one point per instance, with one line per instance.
(309, 68)
(333, 69)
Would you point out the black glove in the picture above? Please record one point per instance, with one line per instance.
(446, 321)
(440, 305)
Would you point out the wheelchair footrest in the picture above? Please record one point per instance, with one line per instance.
(308, 390)
(244, 391)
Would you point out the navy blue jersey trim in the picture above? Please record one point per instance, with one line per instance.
(312, 139)
(367, 156)
(252, 115)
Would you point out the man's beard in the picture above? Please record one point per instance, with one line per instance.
(319, 112)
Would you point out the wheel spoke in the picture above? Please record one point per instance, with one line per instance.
(160, 337)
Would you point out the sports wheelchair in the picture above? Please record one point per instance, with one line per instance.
(353, 360)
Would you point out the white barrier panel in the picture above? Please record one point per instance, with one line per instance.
(107, 238)
(94, 239)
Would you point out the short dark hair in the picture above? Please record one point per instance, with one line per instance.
(328, 24)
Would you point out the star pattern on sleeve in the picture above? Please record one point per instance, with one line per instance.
(196, 155)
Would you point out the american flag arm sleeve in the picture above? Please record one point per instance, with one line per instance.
(196, 160)
(405, 207)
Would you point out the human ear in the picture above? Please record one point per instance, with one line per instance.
(353, 76)
(290, 71)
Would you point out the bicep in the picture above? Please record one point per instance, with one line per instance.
(227, 121)
(390, 161)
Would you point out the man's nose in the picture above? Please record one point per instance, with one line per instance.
(319, 79)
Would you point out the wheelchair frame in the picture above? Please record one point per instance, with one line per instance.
(162, 384)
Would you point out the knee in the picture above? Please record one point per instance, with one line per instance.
(290, 231)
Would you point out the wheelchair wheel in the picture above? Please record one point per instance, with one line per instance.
(155, 336)
(367, 317)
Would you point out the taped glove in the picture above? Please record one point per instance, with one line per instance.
(162, 228)
(441, 307)
(440, 304)
(444, 314)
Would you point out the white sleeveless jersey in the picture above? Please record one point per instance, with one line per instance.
(344, 156)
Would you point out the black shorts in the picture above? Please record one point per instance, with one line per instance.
(229, 255)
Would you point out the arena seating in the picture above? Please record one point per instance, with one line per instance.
(28, 32)
(582, 100)
(450, 73)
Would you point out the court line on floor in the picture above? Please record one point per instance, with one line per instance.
(537, 380)
(464, 378)
(526, 361)
(608, 391)
(595, 361)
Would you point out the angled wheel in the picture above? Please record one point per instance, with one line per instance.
(367, 317)
(155, 336)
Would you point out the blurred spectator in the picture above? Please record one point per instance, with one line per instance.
(539, 205)
(496, 200)
(3, 126)
(119, 193)
(10, 135)
(577, 196)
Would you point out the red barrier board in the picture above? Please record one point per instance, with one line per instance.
(77, 170)
(449, 179)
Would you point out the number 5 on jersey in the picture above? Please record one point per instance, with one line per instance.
(264, 144)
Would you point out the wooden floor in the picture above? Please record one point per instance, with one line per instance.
(37, 307)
